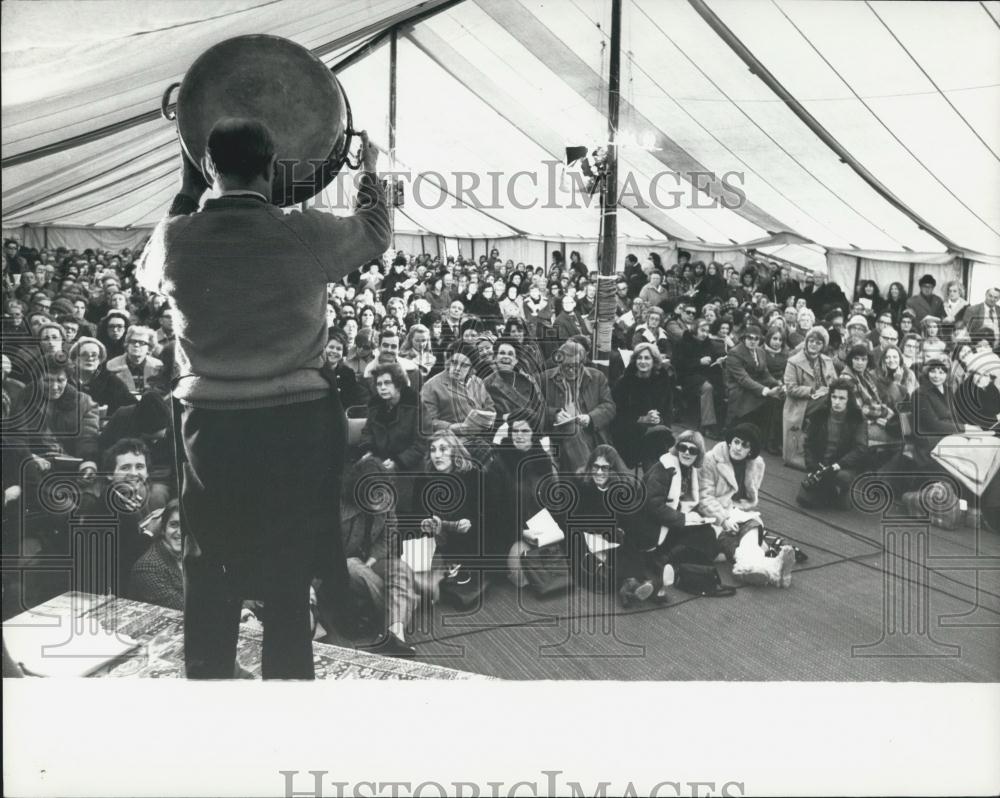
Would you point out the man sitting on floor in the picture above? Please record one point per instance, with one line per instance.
(835, 448)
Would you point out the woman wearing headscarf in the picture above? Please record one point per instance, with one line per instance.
(807, 375)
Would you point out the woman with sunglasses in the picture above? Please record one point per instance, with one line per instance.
(731, 476)
(673, 490)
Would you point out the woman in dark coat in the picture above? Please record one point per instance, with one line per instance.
(643, 398)
(392, 431)
(352, 389)
(528, 472)
(606, 502)
(455, 499)
(157, 577)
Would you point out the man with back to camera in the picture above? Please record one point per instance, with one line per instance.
(263, 432)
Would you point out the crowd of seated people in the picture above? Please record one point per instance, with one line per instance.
(477, 402)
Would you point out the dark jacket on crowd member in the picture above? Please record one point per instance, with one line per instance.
(157, 578)
(789, 288)
(108, 389)
(528, 479)
(353, 391)
(849, 451)
(514, 392)
(567, 324)
(73, 420)
(934, 418)
(393, 433)
(746, 377)
(688, 352)
(827, 297)
(635, 396)
(149, 420)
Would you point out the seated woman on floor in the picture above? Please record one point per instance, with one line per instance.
(453, 499)
(836, 448)
(526, 469)
(731, 477)
(380, 581)
(607, 505)
(157, 577)
(673, 490)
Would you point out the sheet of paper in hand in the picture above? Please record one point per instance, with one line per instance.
(418, 553)
(542, 529)
(597, 543)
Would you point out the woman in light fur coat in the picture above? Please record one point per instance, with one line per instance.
(731, 476)
(807, 374)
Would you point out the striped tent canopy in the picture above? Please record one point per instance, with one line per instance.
(799, 127)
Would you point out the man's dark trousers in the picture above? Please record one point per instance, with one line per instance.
(260, 498)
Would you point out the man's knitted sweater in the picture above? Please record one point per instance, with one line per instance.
(247, 282)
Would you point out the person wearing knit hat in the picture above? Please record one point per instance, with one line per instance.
(754, 395)
(137, 366)
(808, 372)
(731, 476)
(858, 321)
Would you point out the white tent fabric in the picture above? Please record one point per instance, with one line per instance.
(505, 85)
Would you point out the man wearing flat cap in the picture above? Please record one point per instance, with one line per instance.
(926, 303)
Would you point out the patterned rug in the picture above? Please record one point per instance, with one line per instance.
(160, 653)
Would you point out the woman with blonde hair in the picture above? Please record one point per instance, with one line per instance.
(417, 347)
(808, 372)
(806, 321)
(453, 500)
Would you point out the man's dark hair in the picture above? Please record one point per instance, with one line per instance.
(842, 384)
(463, 348)
(240, 147)
(124, 446)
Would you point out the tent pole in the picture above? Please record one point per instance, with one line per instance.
(609, 186)
(604, 310)
(391, 190)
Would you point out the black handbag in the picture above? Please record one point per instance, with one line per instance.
(463, 588)
(546, 568)
(700, 580)
(697, 543)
